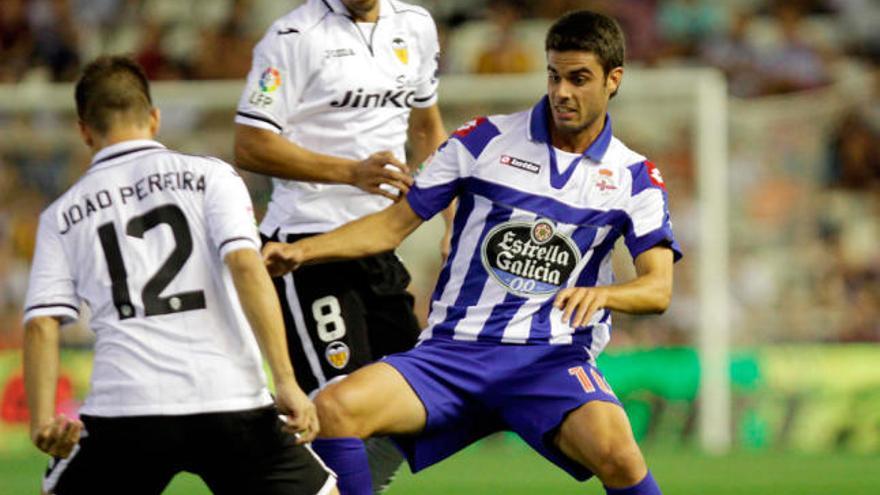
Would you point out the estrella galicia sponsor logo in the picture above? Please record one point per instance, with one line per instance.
(397, 98)
(529, 259)
(520, 164)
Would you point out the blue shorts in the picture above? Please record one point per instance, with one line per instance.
(473, 389)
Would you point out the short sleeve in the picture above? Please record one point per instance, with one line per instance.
(51, 290)
(429, 68)
(648, 209)
(229, 212)
(270, 92)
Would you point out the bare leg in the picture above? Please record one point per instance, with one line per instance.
(598, 436)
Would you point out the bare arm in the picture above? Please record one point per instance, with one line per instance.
(55, 435)
(649, 292)
(265, 152)
(426, 133)
(382, 231)
(263, 311)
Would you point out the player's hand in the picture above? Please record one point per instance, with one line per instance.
(58, 437)
(301, 416)
(371, 174)
(578, 304)
(281, 258)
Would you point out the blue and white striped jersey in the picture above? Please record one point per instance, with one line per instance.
(532, 220)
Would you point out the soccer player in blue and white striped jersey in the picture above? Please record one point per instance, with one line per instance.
(522, 307)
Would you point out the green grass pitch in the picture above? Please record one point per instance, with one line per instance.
(510, 468)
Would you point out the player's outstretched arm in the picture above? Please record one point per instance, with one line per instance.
(649, 292)
(377, 233)
(425, 134)
(265, 152)
(54, 435)
(261, 307)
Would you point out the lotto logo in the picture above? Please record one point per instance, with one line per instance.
(654, 175)
(469, 127)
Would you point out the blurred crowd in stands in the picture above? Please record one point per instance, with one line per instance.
(768, 49)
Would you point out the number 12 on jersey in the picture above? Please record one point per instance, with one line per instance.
(154, 304)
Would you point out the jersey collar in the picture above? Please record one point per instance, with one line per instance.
(386, 8)
(114, 151)
(539, 131)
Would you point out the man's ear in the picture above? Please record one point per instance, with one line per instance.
(85, 133)
(612, 82)
(155, 121)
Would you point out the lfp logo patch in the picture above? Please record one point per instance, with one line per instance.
(270, 80)
(529, 259)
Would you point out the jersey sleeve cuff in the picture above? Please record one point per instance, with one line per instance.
(660, 237)
(236, 243)
(425, 101)
(257, 120)
(426, 202)
(66, 312)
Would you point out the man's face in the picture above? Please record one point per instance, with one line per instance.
(578, 89)
(358, 8)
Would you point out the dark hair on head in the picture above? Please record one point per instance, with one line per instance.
(113, 89)
(586, 31)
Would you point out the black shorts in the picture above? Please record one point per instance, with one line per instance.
(343, 315)
(233, 452)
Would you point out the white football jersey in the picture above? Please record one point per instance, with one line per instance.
(140, 238)
(340, 88)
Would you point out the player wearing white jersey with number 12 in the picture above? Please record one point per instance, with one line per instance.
(336, 90)
(163, 248)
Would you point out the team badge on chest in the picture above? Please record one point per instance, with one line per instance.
(604, 181)
(398, 44)
(529, 259)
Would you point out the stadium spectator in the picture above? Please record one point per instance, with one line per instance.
(794, 64)
(504, 53)
(17, 42)
(855, 155)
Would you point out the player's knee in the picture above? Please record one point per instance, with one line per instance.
(620, 466)
(337, 412)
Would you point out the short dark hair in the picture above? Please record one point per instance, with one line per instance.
(112, 88)
(586, 31)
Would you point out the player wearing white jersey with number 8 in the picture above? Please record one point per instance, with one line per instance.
(163, 248)
(336, 90)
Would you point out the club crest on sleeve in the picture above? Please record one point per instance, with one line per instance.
(337, 354)
(654, 175)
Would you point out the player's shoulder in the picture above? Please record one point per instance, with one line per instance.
(476, 134)
(297, 24)
(208, 163)
(404, 8)
(642, 172)
(413, 13)
(619, 155)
